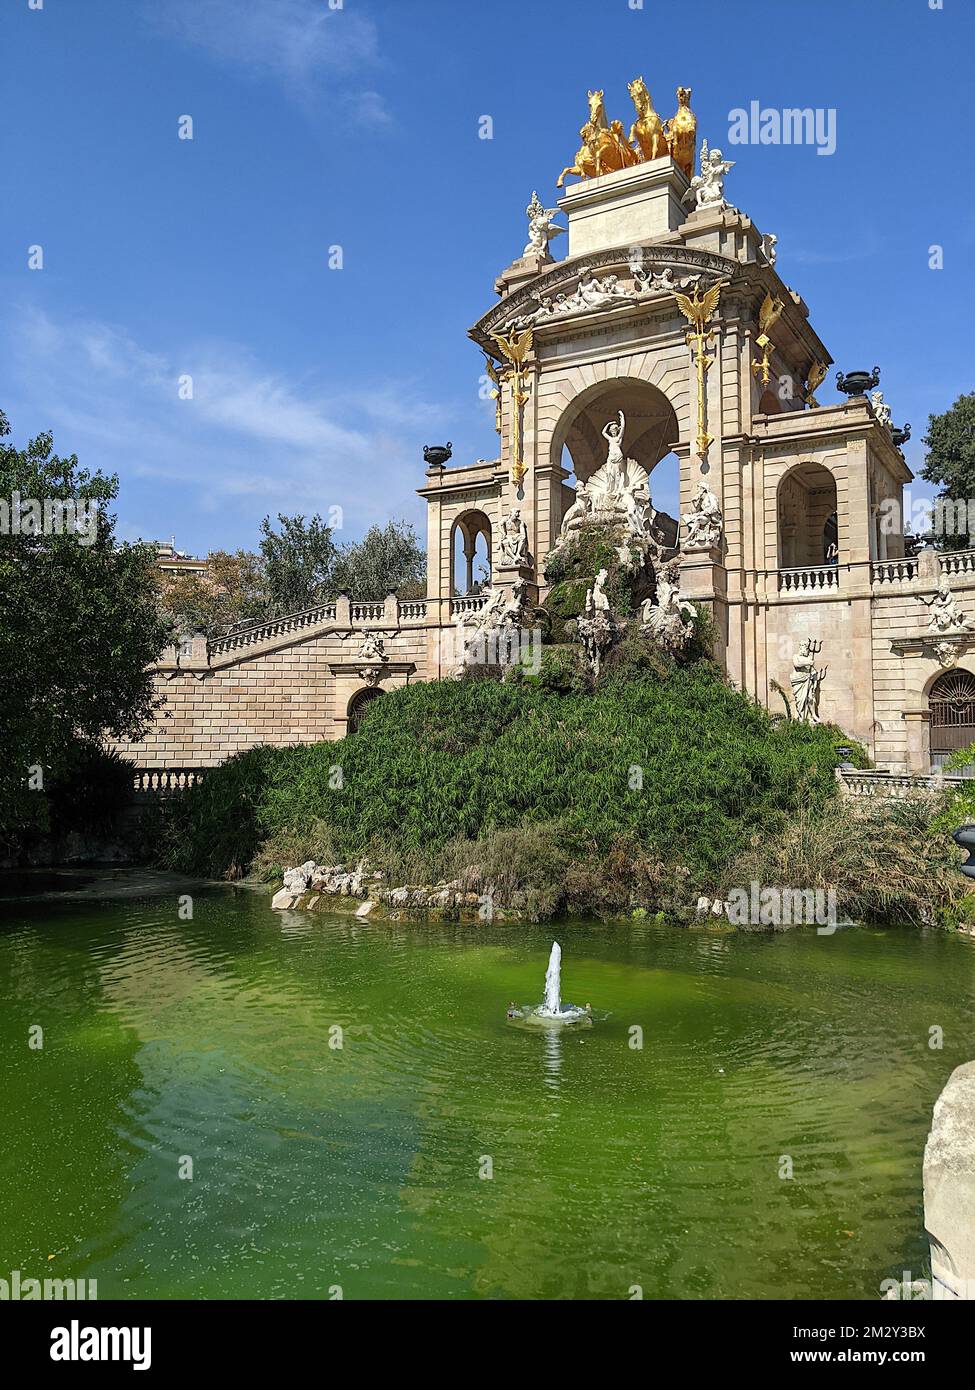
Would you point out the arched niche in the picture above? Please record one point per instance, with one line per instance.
(807, 522)
(652, 431)
(951, 706)
(470, 553)
(358, 705)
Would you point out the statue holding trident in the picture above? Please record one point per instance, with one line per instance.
(806, 680)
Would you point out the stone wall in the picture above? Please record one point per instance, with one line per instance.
(293, 688)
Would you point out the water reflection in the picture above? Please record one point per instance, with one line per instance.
(552, 1058)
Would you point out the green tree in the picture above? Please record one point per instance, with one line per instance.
(230, 593)
(950, 462)
(388, 557)
(81, 625)
(298, 560)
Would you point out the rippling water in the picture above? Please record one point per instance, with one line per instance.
(316, 1166)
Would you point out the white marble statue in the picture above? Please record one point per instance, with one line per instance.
(541, 227)
(769, 243)
(650, 281)
(640, 511)
(615, 463)
(592, 292)
(373, 648)
(578, 514)
(946, 615)
(668, 618)
(617, 495)
(597, 627)
(514, 539)
(596, 600)
(881, 409)
(806, 680)
(707, 187)
(704, 522)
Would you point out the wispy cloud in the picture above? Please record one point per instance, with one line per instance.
(251, 439)
(296, 42)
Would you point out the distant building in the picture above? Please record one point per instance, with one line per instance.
(173, 562)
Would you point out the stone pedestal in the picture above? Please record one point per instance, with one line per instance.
(702, 575)
(524, 268)
(624, 208)
(507, 576)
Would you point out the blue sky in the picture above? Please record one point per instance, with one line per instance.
(358, 126)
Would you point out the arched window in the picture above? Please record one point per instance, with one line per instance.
(358, 705)
(808, 530)
(951, 702)
(470, 553)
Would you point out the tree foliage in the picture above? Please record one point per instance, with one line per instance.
(81, 626)
(230, 593)
(297, 561)
(950, 460)
(388, 557)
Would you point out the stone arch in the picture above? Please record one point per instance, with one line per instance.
(470, 539)
(358, 705)
(806, 517)
(652, 426)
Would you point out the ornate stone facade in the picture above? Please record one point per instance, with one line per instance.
(785, 503)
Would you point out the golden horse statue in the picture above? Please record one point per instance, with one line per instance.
(647, 130)
(604, 148)
(681, 133)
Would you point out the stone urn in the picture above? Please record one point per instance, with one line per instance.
(857, 383)
(901, 436)
(436, 455)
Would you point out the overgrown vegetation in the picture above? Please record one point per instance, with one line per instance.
(644, 791)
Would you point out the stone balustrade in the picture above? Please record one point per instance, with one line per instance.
(957, 562)
(809, 579)
(470, 603)
(163, 781)
(413, 610)
(893, 571)
(277, 627)
(367, 612)
(899, 786)
(405, 612)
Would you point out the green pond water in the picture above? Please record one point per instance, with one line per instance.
(360, 1167)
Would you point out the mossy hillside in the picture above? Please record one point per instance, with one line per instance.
(678, 763)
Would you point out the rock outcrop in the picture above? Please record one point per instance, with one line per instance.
(307, 885)
(949, 1187)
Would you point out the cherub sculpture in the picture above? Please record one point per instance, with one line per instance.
(541, 227)
(707, 187)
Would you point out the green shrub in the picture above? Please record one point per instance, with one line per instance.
(441, 761)
(90, 791)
